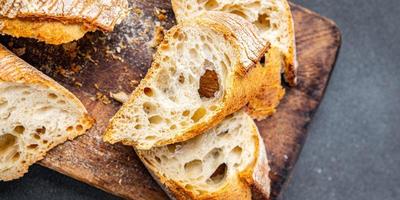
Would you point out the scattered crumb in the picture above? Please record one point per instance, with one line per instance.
(96, 86)
(161, 14)
(103, 98)
(121, 96)
(134, 83)
(158, 36)
(78, 84)
(76, 68)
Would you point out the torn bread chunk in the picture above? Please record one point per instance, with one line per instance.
(204, 70)
(273, 19)
(265, 103)
(36, 114)
(60, 21)
(226, 162)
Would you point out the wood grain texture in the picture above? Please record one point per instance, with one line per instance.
(102, 63)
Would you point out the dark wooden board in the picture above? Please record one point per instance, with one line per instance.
(102, 63)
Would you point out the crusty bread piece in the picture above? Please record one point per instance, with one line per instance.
(203, 71)
(226, 162)
(273, 19)
(264, 104)
(60, 21)
(36, 114)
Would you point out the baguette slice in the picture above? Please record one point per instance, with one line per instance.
(60, 21)
(273, 19)
(36, 114)
(226, 162)
(203, 71)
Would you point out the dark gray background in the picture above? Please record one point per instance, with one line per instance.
(353, 148)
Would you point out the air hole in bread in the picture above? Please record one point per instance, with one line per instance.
(148, 92)
(236, 152)
(173, 127)
(240, 13)
(52, 96)
(211, 4)
(263, 21)
(208, 84)
(193, 53)
(219, 174)
(149, 107)
(181, 79)
(7, 141)
(179, 47)
(199, 114)
(213, 107)
(186, 113)
(45, 141)
(157, 159)
(36, 136)
(79, 128)
(156, 119)
(45, 108)
(41, 131)
(223, 133)
(138, 126)
(70, 128)
(193, 168)
(172, 147)
(32, 146)
(62, 102)
(19, 129)
(16, 156)
(214, 153)
(151, 137)
(26, 92)
(3, 102)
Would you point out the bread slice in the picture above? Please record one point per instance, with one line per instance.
(203, 71)
(273, 19)
(60, 21)
(36, 114)
(226, 162)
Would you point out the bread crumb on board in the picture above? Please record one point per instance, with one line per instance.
(103, 98)
(158, 36)
(161, 14)
(120, 96)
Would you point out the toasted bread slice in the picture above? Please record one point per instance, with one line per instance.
(226, 162)
(36, 114)
(273, 19)
(203, 71)
(60, 21)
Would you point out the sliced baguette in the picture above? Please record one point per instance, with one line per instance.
(36, 114)
(60, 21)
(203, 71)
(273, 19)
(226, 162)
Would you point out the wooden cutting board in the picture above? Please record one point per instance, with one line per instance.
(102, 63)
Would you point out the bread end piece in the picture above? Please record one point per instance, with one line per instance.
(36, 114)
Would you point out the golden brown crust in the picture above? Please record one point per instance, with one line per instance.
(102, 14)
(15, 70)
(291, 63)
(264, 104)
(51, 32)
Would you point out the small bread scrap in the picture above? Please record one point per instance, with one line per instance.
(204, 70)
(226, 162)
(60, 21)
(36, 114)
(273, 19)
